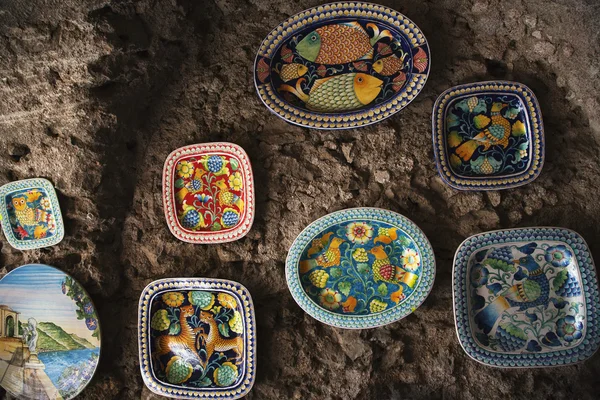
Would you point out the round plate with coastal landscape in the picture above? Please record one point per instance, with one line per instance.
(360, 268)
(49, 334)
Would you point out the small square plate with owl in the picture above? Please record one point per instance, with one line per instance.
(197, 338)
(30, 214)
(526, 298)
(208, 193)
(488, 136)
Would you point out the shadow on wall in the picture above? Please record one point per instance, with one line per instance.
(136, 83)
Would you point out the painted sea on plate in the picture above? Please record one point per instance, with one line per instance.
(49, 334)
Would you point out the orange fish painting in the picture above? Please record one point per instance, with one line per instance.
(340, 43)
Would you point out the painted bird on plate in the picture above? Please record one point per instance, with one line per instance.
(533, 291)
(319, 244)
(497, 131)
(384, 270)
(29, 216)
(340, 43)
(328, 257)
(195, 185)
(338, 93)
(386, 235)
(226, 198)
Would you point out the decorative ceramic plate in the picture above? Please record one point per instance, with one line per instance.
(197, 338)
(208, 193)
(341, 65)
(49, 334)
(30, 214)
(360, 268)
(488, 136)
(526, 298)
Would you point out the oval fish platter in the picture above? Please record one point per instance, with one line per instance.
(49, 334)
(341, 65)
(360, 268)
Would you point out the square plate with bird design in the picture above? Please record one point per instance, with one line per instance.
(488, 136)
(30, 214)
(197, 338)
(526, 298)
(208, 193)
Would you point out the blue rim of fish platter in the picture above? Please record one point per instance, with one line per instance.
(488, 136)
(197, 338)
(30, 214)
(526, 298)
(341, 65)
(50, 334)
(360, 268)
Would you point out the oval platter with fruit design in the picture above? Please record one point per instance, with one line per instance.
(360, 268)
(341, 65)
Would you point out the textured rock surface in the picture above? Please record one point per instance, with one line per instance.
(95, 94)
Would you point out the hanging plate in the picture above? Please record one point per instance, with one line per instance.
(49, 334)
(360, 268)
(197, 338)
(526, 297)
(341, 65)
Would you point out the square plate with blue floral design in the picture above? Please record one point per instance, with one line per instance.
(197, 338)
(30, 214)
(488, 136)
(526, 298)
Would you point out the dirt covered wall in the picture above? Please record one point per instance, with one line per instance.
(95, 94)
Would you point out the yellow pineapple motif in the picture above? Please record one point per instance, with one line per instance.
(227, 198)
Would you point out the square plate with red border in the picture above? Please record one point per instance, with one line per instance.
(208, 193)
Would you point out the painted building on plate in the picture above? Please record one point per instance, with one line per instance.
(9, 322)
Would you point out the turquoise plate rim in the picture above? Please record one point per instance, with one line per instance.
(37, 243)
(591, 341)
(365, 321)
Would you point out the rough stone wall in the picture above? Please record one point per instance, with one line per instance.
(95, 94)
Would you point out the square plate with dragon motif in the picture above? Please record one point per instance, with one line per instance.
(526, 298)
(30, 214)
(197, 338)
(488, 136)
(208, 193)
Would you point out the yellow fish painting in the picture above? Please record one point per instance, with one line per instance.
(389, 65)
(340, 43)
(338, 93)
(291, 71)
